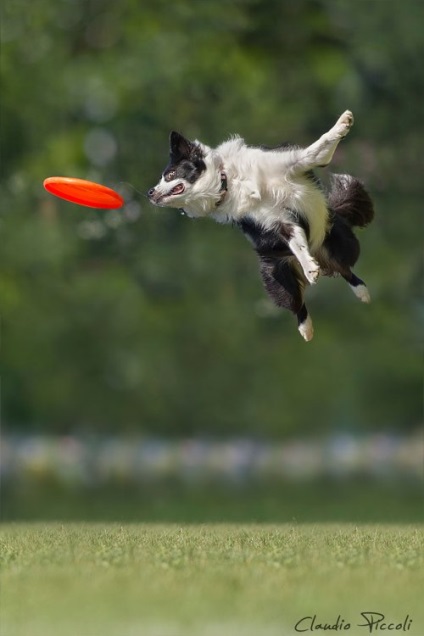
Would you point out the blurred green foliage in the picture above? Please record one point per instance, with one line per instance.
(143, 320)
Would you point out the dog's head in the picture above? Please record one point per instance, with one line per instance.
(191, 180)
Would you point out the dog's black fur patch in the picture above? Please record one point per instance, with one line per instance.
(271, 242)
(185, 158)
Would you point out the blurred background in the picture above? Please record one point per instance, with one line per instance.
(145, 374)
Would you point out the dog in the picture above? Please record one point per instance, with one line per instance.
(298, 229)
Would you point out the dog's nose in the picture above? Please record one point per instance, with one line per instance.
(151, 193)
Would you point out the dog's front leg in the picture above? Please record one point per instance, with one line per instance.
(296, 239)
(320, 153)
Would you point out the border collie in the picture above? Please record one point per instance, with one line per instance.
(298, 229)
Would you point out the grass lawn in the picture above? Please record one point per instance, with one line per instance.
(144, 579)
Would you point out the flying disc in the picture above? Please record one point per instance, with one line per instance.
(82, 192)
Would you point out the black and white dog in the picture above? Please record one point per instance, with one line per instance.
(298, 230)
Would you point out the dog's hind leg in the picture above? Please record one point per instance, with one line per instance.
(285, 288)
(304, 324)
(341, 251)
(358, 287)
(320, 153)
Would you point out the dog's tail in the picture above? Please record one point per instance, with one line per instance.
(349, 199)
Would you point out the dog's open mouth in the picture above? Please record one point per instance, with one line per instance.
(178, 189)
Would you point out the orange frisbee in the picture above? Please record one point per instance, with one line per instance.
(83, 192)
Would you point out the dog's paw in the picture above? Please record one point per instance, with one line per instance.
(344, 123)
(361, 292)
(306, 329)
(312, 271)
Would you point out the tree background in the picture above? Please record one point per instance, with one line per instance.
(141, 320)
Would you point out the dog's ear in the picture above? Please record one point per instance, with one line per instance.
(179, 146)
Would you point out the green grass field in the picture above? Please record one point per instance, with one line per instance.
(142, 579)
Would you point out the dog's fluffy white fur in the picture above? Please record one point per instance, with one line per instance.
(264, 184)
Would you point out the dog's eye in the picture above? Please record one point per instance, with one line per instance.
(170, 175)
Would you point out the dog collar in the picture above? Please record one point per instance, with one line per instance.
(224, 188)
(223, 191)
